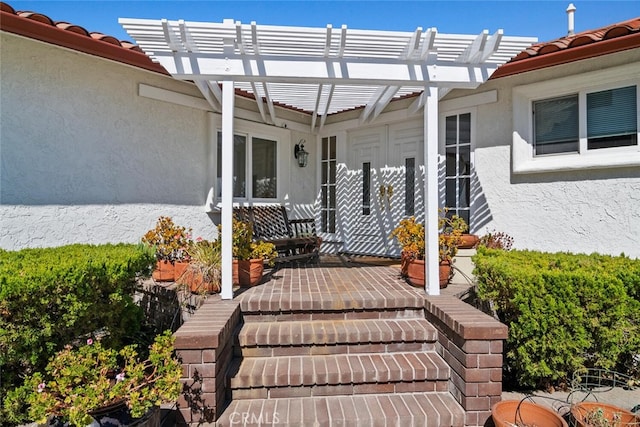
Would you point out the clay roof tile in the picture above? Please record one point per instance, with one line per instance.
(587, 44)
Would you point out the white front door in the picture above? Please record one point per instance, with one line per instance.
(382, 186)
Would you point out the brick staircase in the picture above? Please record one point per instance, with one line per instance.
(339, 345)
(335, 361)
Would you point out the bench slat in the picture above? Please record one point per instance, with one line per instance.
(293, 239)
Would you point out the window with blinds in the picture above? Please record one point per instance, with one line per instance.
(611, 121)
(612, 118)
(555, 124)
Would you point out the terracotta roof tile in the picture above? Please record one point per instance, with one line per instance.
(40, 27)
(587, 44)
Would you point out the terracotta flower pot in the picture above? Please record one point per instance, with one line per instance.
(510, 413)
(405, 259)
(249, 272)
(164, 272)
(415, 273)
(468, 241)
(179, 268)
(584, 411)
(194, 280)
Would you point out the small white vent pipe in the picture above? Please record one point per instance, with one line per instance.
(571, 10)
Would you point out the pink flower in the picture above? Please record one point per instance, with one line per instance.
(199, 239)
(41, 387)
(120, 377)
(89, 341)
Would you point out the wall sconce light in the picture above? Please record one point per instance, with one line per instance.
(300, 153)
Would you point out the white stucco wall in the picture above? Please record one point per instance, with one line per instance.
(594, 210)
(83, 158)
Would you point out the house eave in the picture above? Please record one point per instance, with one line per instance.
(47, 33)
(605, 47)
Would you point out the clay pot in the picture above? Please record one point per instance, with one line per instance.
(248, 272)
(415, 273)
(468, 241)
(164, 272)
(584, 410)
(194, 280)
(510, 413)
(179, 269)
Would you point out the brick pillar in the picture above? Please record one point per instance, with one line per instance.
(205, 345)
(471, 343)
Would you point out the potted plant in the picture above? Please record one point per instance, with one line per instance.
(170, 242)
(467, 240)
(597, 414)
(203, 273)
(81, 385)
(410, 236)
(518, 413)
(249, 256)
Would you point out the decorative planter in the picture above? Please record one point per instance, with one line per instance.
(164, 272)
(586, 414)
(248, 272)
(468, 241)
(195, 281)
(404, 263)
(179, 268)
(509, 413)
(415, 273)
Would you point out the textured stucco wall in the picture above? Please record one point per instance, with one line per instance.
(583, 211)
(85, 159)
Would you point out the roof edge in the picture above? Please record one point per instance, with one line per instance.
(565, 56)
(15, 24)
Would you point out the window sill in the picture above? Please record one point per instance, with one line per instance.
(573, 162)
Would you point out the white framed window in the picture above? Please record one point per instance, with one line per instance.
(458, 165)
(255, 167)
(584, 121)
(328, 184)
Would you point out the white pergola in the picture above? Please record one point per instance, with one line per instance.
(323, 71)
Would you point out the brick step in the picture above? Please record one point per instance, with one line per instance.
(407, 409)
(383, 303)
(336, 336)
(345, 374)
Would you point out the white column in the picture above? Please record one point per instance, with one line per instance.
(227, 189)
(432, 285)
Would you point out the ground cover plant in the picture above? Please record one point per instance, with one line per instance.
(565, 312)
(52, 297)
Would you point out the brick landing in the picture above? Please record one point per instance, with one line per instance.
(339, 344)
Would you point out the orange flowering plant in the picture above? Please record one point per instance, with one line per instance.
(169, 240)
(410, 236)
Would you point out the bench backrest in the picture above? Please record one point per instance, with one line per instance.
(269, 221)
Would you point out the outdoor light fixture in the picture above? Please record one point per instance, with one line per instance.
(300, 154)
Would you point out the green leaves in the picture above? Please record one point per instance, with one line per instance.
(50, 297)
(564, 311)
(77, 381)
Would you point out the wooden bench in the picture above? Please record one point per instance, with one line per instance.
(294, 239)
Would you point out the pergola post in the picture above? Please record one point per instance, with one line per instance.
(431, 263)
(228, 98)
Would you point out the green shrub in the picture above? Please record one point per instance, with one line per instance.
(51, 297)
(564, 311)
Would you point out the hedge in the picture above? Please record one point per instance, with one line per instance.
(50, 297)
(565, 312)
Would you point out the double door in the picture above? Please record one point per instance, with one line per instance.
(383, 184)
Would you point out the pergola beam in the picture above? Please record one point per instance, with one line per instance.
(327, 71)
